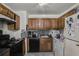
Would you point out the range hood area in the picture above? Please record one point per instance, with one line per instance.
(6, 19)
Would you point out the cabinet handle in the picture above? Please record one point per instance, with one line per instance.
(77, 44)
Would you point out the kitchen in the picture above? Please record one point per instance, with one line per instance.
(39, 29)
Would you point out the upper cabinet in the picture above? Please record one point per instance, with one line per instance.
(33, 23)
(57, 23)
(61, 23)
(15, 26)
(14, 20)
(39, 23)
(46, 23)
(54, 23)
(6, 12)
(71, 12)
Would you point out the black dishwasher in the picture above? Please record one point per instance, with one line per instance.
(33, 45)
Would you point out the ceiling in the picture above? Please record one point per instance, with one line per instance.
(34, 8)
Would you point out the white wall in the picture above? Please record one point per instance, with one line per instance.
(23, 22)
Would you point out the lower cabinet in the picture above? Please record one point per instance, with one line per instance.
(40, 45)
(71, 48)
(45, 45)
(18, 49)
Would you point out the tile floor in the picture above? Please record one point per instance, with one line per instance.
(40, 54)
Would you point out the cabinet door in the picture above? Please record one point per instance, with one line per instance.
(33, 23)
(60, 23)
(71, 48)
(45, 45)
(57, 23)
(10, 14)
(41, 24)
(46, 24)
(54, 24)
(30, 23)
(11, 26)
(17, 24)
(37, 24)
(3, 10)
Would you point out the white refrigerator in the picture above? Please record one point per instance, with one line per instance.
(71, 35)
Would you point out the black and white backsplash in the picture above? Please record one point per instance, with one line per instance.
(57, 34)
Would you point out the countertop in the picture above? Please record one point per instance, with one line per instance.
(45, 37)
(15, 42)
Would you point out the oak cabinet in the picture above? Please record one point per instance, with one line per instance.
(15, 26)
(7, 12)
(46, 23)
(10, 14)
(33, 23)
(71, 12)
(45, 44)
(30, 24)
(39, 23)
(61, 23)
(57, 23)
(11, 26)
(54, 23)
(3, 10)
